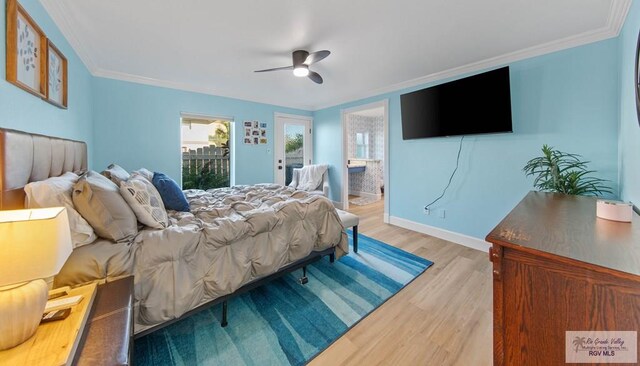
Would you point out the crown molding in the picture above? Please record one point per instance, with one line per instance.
(57, 12)
(617, 15)
(137, 79)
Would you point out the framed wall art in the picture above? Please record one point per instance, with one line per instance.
(56, 76)
(26, 51)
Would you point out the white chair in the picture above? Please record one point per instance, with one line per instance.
(321, 189)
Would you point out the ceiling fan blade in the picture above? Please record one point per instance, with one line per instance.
(316, 56)
(315, 77)
(276, 69)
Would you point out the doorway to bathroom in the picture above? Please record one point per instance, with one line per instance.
(365, 177)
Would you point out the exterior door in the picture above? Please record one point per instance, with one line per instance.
(293, 145)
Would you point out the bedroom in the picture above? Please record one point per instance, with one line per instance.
(571, 64)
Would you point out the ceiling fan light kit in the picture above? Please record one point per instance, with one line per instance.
(301, 71)
(301, 61)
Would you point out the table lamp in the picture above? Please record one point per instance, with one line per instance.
(34, 244)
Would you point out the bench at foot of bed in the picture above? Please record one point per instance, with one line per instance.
(350, 220)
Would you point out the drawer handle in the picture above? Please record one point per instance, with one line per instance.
(496, 274)
(493, 255)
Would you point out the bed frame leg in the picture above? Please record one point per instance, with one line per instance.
(304, 280)
(224, 314)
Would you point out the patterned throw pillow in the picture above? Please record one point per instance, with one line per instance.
(145, 201)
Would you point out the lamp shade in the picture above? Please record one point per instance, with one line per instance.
(34, 244)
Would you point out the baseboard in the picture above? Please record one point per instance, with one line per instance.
(366, 194)
(385, 218)
(465, 240)
(337, 205)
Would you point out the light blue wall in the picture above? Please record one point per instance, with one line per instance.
(23, 111)
(629, 128)
(568, 99)
(137, 126)
(327, 147)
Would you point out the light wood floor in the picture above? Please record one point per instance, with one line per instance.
(443, 317)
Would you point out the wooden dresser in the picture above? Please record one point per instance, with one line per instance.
(556, 268)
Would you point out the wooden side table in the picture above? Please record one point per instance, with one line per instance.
(57, 342)
(108, 336)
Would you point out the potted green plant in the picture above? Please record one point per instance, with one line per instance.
(557, 171)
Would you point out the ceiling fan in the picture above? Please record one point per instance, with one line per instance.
(301, 61)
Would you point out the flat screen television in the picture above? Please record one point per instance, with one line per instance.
(474, 105)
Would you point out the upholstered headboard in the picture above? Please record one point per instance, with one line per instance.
(27, 157)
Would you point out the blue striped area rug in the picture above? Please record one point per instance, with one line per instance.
(283, 322)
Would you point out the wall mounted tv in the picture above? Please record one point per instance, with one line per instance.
(474, 105)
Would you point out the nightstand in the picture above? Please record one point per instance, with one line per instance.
(108, 335)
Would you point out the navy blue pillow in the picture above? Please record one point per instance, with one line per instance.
(172, 195)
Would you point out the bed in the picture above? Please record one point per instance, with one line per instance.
(232, 240)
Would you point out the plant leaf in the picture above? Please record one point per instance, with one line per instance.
(557, 171)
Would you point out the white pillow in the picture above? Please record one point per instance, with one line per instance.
(116, 174)
(145, 201)
(56, 192)
(147, 174)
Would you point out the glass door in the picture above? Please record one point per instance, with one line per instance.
(293, 146)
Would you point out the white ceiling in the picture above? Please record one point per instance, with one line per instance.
(377, 45)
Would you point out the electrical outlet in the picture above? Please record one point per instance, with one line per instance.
(441, 214)
(426, 211)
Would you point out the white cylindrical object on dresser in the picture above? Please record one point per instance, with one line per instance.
(614, 210)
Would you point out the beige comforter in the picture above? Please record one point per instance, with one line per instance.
(231, 237)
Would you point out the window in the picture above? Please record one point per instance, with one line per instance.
(362, 145)
(206, 156)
